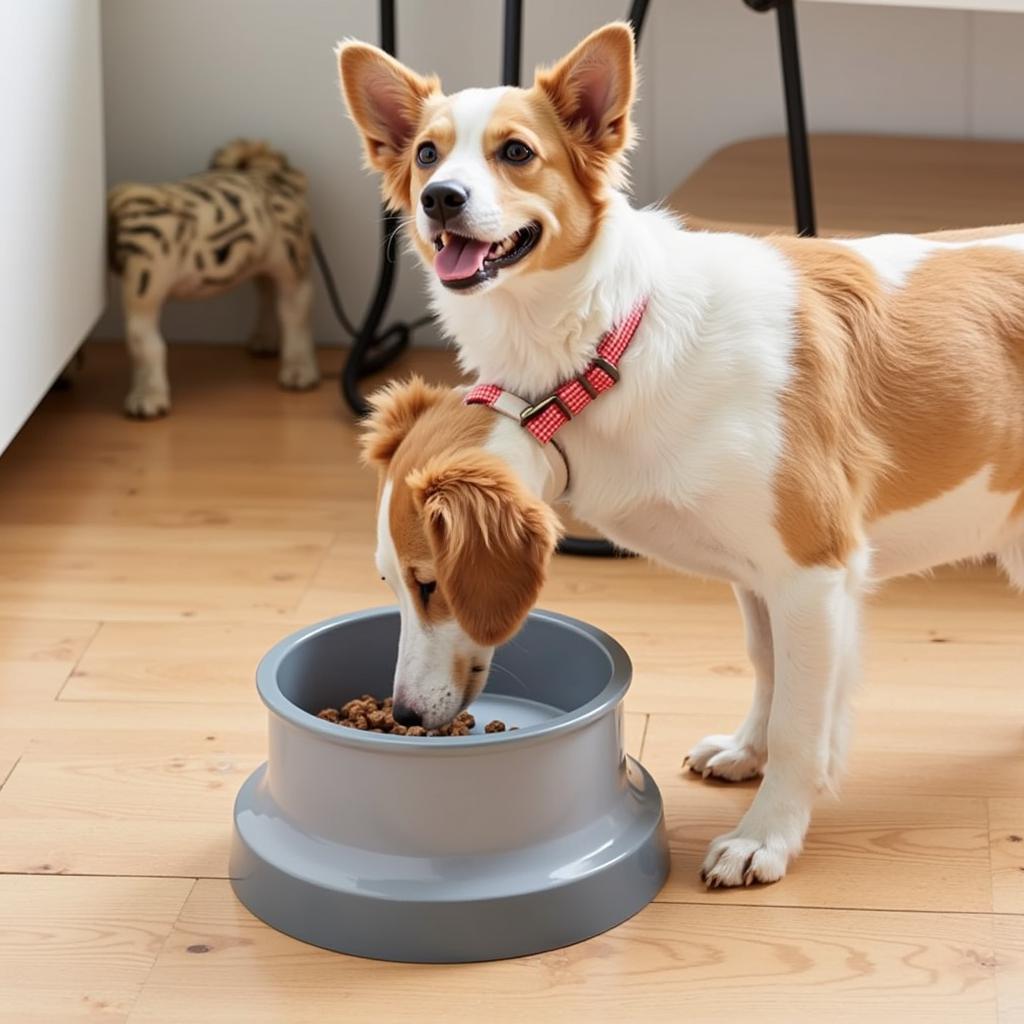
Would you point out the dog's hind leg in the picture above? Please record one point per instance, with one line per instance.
(847, 677)
(299, 369)
(265, 339)
(741, 755)
(813, 620)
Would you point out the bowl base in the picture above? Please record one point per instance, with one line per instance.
(513, 905)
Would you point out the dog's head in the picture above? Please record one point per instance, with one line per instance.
(500, 182)
(463, 545)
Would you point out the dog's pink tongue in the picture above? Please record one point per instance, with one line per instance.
(460, 258)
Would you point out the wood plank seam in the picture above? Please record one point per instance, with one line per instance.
(163, 948)
(10, 772)
(78, 660)
(314, 574)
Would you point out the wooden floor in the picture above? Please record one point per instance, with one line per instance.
(144, 568)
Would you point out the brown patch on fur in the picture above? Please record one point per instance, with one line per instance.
(428, 443)
(547, 189)
(900, 396)
(591, 92)
(394, 410)
(446, 426)
(490, 540)
(386, 101)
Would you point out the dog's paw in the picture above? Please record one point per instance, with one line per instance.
(725, 757)
(147, 402)
(299, 376)
(735, 859)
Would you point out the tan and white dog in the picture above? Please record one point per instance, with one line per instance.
(802, 418)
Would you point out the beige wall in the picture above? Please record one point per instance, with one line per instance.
(183, 76)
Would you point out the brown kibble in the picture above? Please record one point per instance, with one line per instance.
(368, 714)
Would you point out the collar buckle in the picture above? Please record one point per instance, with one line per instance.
(533, 411)
(609, 368)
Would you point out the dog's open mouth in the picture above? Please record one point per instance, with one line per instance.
(463, 262)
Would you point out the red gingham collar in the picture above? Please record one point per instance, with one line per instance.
(543, 419)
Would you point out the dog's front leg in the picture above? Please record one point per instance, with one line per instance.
(741, 755)
(813, 616)
(150, 393)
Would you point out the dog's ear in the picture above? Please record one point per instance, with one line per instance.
(385, 100)
(592, 91)
(491, 541)
(393, 411)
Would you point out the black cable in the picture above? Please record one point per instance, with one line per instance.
(372, 351)
(591, 547)
(332, 288)
(376, 351)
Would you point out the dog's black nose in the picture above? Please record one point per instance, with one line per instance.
(404, 715)
(442, 200)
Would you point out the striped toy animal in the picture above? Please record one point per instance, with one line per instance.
(246, 217)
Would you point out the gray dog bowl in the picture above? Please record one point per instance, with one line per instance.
(448, 849)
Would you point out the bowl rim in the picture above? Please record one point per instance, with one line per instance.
(619, 679)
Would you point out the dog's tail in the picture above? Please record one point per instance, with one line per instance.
(248, 155)
(255, 155)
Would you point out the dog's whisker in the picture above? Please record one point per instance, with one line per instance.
(511, 675)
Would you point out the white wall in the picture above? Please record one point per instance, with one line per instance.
(182, 77)
(52, 260)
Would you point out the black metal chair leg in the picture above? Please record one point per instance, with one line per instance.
(370, 351)
(799, 155)
(512, 43)
(796, 123)
(637, 13)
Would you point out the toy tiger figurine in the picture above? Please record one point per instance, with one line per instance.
(246, 217)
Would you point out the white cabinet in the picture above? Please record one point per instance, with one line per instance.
(52, 219)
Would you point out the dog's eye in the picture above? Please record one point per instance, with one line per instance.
(426, 154)
(426, 589)
(516, 152)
